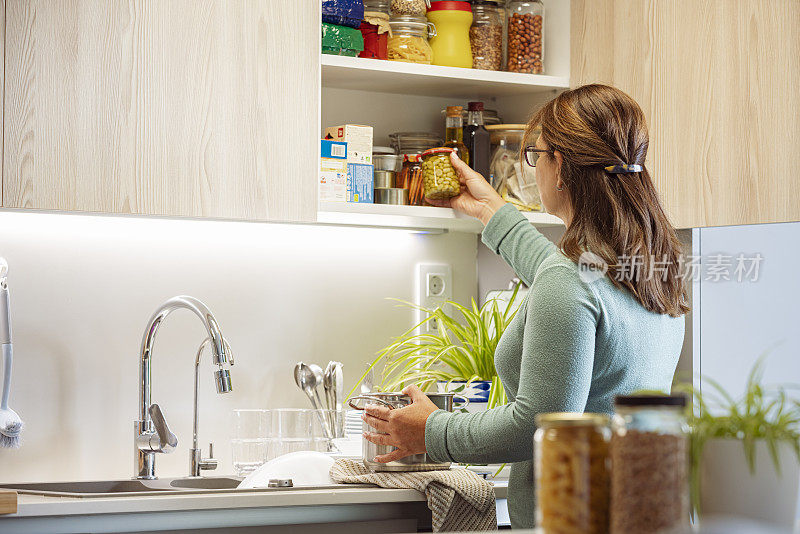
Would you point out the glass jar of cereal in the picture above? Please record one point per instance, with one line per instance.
(650, 464)
(438, 176)
(572, 472)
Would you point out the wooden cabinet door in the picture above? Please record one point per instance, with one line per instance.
(200, 108)
(719, 81)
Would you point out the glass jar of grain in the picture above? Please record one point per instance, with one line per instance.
(572, 472)
(438, 176)
(650, 464)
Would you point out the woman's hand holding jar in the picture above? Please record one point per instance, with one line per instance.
(477, 198)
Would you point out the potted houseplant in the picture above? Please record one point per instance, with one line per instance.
(458, 357)
(746, 451)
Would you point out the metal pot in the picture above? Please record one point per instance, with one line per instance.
(416, 462)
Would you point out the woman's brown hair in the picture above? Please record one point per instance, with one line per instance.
(615, 216)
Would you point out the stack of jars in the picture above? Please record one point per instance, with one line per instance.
(410, 32)
(480, 34)
(626, 475)
(411, 145)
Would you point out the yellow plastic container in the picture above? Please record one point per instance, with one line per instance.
(451, 44)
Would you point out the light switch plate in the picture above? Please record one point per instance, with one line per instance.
(434, 288)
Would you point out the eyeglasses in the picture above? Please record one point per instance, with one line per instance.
(532, 154)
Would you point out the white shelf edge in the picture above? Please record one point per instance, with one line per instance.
(423, 218)
(436, 71)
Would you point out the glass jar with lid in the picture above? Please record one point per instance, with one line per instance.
(409, 40)
(525, 36)
(572, 472)
(514, 179)
(486, 35)
(438, 175)
(414, 8)
(650, 464)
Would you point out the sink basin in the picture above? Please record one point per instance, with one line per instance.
(162, 486)
(207, 483)
(91, 488)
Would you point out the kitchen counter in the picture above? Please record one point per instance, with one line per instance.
(350, 509)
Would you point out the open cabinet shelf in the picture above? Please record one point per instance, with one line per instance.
(425, 218)
(362, 74)
(393, 96)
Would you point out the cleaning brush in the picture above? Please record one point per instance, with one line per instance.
(10, 423)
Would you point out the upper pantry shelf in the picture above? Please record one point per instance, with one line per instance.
(343, 72)
(424, 218)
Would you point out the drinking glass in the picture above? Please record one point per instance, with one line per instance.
(250, 443)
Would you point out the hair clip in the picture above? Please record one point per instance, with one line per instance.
(619, 169)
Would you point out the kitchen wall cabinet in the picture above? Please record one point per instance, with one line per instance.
(718, 81)
(193, 108)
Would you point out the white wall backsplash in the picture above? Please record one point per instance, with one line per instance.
(83, 288)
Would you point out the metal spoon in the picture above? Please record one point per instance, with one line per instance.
(306, 379)
(338, 392)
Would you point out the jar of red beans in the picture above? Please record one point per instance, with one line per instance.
(525, 36)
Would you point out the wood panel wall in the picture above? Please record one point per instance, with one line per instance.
(719, 81)
(199, 108)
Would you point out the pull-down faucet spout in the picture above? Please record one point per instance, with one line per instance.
(152, 434)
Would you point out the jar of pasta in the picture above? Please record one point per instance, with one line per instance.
(438, 176)
(409, 40)
(572, 472)
(650, 464)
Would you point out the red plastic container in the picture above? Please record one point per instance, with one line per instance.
(374, 43)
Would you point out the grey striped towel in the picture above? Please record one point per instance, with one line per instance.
(459, 499)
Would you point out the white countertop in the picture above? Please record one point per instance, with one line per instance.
(342, 494)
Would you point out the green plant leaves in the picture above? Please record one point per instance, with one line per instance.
(762, 413)
(463, 348)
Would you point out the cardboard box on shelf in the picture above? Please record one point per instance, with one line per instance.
(333, 171)
(358, 139)
(360, 183)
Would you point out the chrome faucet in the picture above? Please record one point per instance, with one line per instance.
(222, 379)
(151, 432)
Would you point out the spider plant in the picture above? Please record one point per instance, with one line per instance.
(763, 412)
(461, 349)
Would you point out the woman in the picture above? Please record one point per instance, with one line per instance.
(577, 340)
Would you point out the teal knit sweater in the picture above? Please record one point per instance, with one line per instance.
(571, 347)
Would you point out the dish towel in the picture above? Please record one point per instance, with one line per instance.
(459, 499)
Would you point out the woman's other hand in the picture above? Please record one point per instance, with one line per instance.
(403, 428)
(477, 198)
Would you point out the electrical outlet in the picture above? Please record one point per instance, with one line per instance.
(434, 288)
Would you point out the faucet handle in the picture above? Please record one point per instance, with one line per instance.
(210, 463)
(167, 440)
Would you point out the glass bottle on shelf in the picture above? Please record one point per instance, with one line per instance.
(525, 36)
(477, 139)
(454, 133)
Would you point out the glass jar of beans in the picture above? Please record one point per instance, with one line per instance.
(572, 472)
(649, 465)
(525, 36)
(438, 176)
